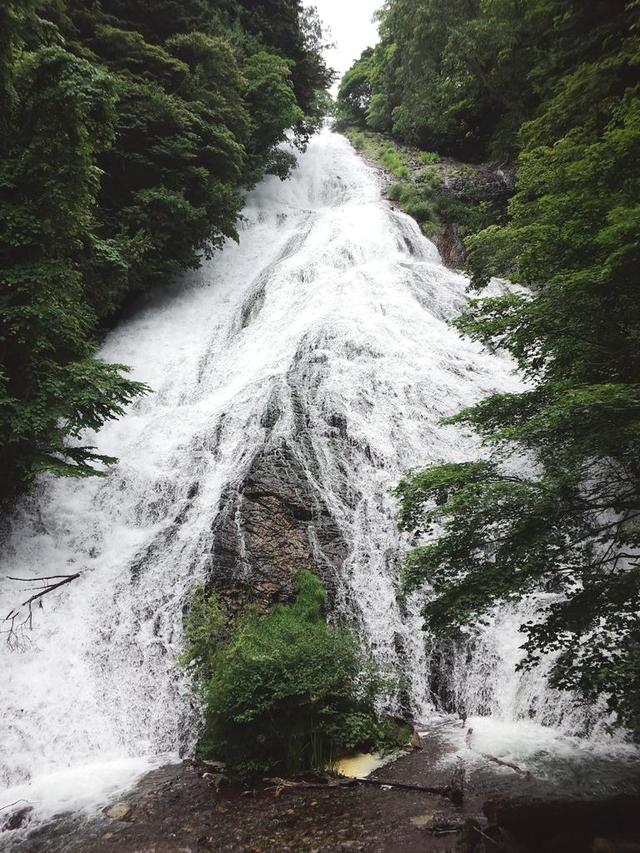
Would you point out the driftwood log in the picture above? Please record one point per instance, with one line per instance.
(454, 791)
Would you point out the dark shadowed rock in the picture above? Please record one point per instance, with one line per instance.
(271, 526)
(16, 819)
(450, 245)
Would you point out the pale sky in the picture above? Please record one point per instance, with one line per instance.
(352, 29)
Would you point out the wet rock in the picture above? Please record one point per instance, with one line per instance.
(17, 818)
(606, 845)
(219, 766)
(339, 423)
(416, 740)
(421, 821)
(215, 779)
(270, 527)
(119, 811)
(451, 246)
(565, 826)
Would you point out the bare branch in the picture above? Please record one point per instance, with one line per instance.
(37, 580)
(15, 624)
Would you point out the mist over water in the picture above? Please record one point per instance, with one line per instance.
(334, 309)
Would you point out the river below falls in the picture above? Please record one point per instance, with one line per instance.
(314, 360)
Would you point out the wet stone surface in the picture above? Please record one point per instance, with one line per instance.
(178, 810)
(193, 808)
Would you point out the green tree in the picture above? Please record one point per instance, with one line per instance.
(354, 96)
(271, 103)
(51, 387)
(120, 169)
(461, 76)
(568, 520)
(295, 32)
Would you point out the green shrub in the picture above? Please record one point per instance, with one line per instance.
(422, 211)
(206, 631)
(407, 193)
(429, 228)
(470, 217)
(393, 160)
(287, 691)
(358, 140)
(433, 177)
(395, 192)
(427, 158)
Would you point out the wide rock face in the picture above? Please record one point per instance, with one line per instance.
(274, 524)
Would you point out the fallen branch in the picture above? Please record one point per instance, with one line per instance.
(454, 791)
(281, 784)
(508, 764)
(486, 837)
(441, 823)
(440, 791)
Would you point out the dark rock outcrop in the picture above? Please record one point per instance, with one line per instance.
(450, 245)
(566, 826)
(273, 525)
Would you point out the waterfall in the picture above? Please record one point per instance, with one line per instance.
(316, 353)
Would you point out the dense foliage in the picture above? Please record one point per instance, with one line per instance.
(557, 505)
(285, 690)
(461, 76)
(448, 199)
(127, 129)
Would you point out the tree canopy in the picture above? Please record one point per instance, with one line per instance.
(461, 76)
(128, 131)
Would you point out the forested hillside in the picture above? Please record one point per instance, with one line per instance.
(461, 77)
(127, 131)
(554, 84)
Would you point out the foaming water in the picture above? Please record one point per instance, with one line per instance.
(485, 680)
(336, 308)
(82, 788)
(522, 756)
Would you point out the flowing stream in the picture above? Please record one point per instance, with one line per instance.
(323, 337)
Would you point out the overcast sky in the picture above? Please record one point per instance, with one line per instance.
(352, 28)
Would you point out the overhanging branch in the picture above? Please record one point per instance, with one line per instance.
(14, 620)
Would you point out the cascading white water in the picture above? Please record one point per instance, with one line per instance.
(569, 747)
(332, 298)
(484, 679)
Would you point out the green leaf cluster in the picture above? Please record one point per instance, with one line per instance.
(285, 690)
(461, 76)
(62, 116)
(127, 131)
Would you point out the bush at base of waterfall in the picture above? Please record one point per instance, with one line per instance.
(289, 691)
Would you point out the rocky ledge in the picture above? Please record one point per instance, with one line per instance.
(193, 808)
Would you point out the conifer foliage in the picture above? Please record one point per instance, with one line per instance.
(127, 131)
